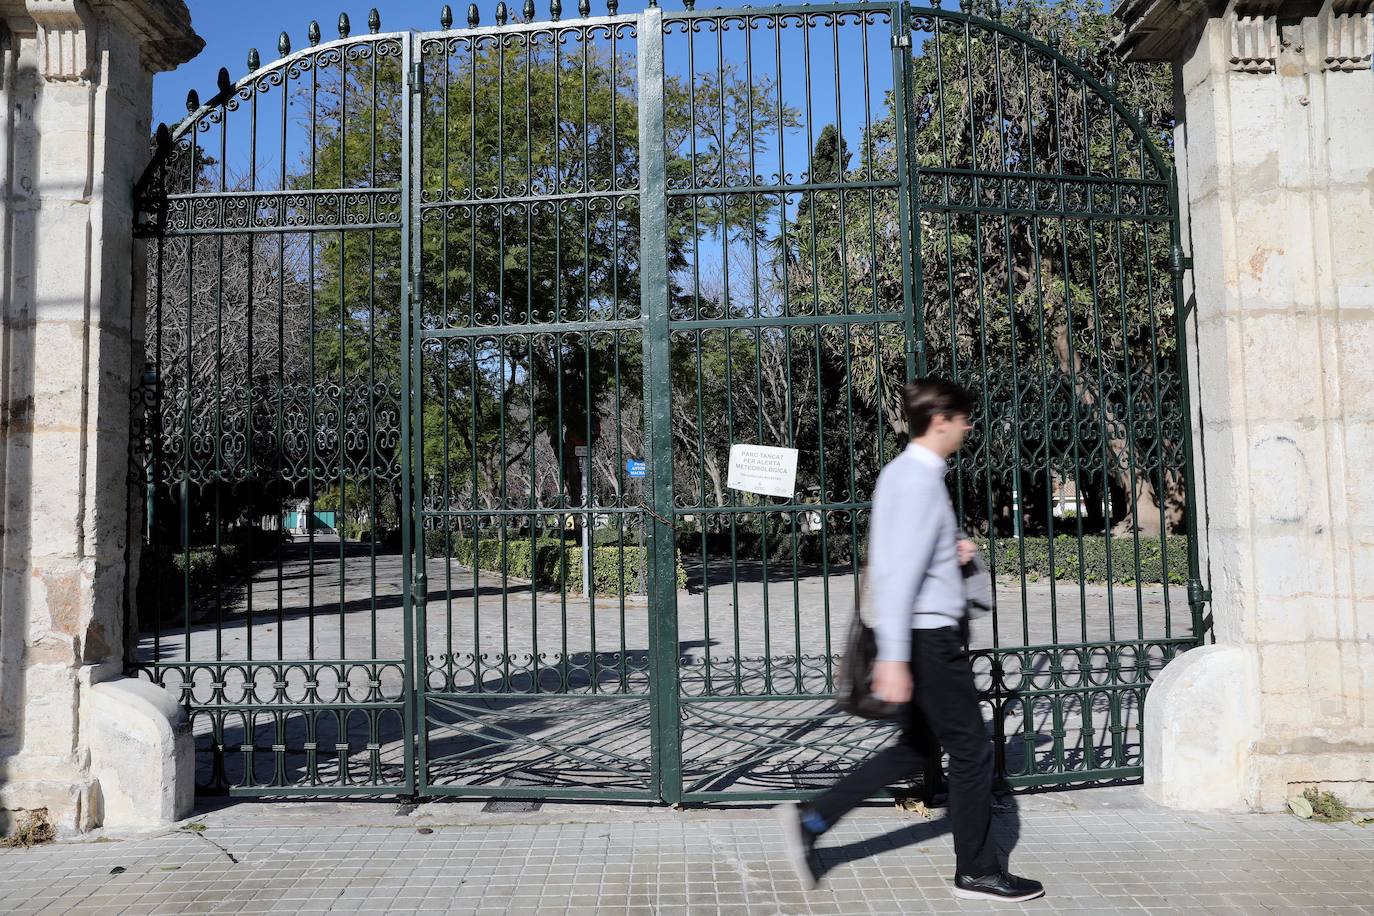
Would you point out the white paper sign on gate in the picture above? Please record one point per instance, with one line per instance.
(763, 469)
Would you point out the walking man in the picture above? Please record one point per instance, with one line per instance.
(917, 605)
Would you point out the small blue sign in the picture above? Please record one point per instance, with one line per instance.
(635, 468)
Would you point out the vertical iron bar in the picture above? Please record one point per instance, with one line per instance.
(908, 218)
(412, 541)
(658, 382)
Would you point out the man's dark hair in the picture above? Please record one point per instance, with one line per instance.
(931, 397)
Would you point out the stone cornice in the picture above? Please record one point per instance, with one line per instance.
(1158, 30)
(66, 31)
(65, 38)
(163, 29)
(1350, 36)
(1161, 30)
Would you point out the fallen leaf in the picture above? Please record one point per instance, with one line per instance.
(1300, 806)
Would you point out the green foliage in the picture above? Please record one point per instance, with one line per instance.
(1070, 318)
(1069, 564)
(360, 511)
(164, 581)
(540, 562)
(1090, 563)
(526, 117)
(1326, 807)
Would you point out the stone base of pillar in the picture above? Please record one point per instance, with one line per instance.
(141, 753)
(1285, 770)
(1201, 723)
(1205, 749)
(135, 768)
(71, 799)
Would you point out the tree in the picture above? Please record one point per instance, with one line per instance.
(530, 155)
(1063, 322)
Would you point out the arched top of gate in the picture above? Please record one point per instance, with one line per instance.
(923, 19)
(376, 45)
(231, 96)
(942, 17)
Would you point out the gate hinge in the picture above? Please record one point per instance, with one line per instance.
(419, 588)
(902, 40)
(1197, 594)
(415, 77)
(1178, 262)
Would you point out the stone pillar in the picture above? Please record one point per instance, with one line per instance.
(1275, 149)
(76, 86)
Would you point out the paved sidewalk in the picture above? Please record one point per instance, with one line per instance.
(1098, 851)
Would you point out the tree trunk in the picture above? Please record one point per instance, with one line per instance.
(1142, 506)
(717, 485)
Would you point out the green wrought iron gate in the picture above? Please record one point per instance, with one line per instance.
(496, 302)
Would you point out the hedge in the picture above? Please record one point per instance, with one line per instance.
(162, 578)
(539, 562)
(1091, 564)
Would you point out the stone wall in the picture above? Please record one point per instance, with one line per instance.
(77, 96)
(1275, 145)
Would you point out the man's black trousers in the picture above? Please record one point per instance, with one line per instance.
(943, 712)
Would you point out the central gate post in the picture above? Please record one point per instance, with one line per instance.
(653, 290)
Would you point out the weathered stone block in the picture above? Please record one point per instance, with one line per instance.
(1283, 669)
(141, 752)
(1201, 719)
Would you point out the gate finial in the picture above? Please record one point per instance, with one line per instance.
(689, 5)
(584, 8)
(254, 60)
(374, 21)
(344, 25)
(529, 10)
(284, 44)
(224, 83)
(501, 13)
(473, 16)
(192, 102)
(313, 33)
(555, 9)
(612, 6)
(446, 17)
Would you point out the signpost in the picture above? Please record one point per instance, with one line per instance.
(584, 454)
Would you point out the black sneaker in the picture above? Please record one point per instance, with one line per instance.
(800, 845)
(1000, 885)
